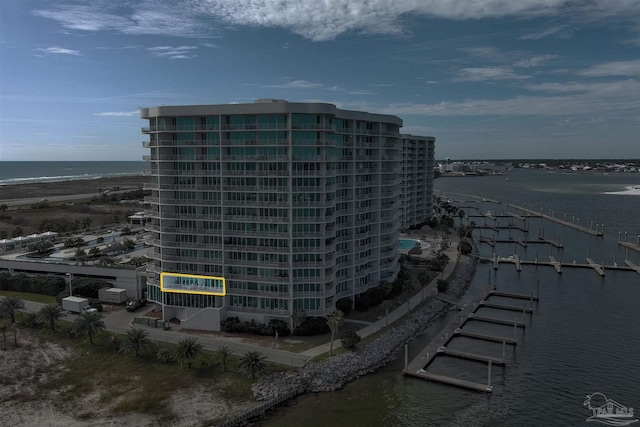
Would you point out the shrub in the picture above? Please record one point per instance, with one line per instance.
(88, 287)
(376, 296)
(344, 305)
(280, 326)
(234, 325)
(349, 339)
(37, 284)
(465, 247)
(312, 326)
(362, 302)
(443, 285)
(164, 355)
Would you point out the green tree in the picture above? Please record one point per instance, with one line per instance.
(443, 285)
(80, 255)
(297, 318)
(252, 364)
(40, 248)
(423, 278)
(334, 319)
(128, 245)
(88, 324)
(187, 350)
(349, 339)
(461, 215)
(223, 354)
(50, 314)
(17, 232)
(86, 222)
(9, 305)
(134, 340)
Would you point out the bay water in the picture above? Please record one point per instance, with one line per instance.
(583, 336)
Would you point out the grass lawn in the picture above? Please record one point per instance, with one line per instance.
(27, 296)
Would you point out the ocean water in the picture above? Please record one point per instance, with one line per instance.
(582, 338)
(32, 172)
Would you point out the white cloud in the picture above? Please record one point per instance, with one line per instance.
(178, 52)
(59, 51)
(620, 68)
(303, 84)
(118, 114)
(86, 18)
(610, 99)
(534, 61)
(313, 19)
(477, 74)
(553, 31)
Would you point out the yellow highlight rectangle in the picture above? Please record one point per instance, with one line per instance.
(192, 284)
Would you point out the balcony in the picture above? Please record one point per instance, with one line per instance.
(257, 293)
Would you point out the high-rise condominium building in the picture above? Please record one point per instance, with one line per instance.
(259, 210)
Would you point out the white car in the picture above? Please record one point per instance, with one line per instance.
(89, 309)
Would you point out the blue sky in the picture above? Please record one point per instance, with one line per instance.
(489, 79)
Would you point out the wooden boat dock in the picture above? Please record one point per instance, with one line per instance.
(418, 367)
(558, 265)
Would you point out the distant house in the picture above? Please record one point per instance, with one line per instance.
(139, 218)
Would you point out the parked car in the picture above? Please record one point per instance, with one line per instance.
(89, 309)
(133, 305)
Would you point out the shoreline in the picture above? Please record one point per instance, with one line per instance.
(334, 373)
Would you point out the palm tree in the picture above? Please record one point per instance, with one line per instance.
(461, 214)
(135, 340)
(88, 324)
(9, 305)
(3, 328)
(187, 350)
(224, 354)
(334, 319)
(252, 364)
(50, 313)
(80, 255)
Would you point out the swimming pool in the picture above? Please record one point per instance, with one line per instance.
(406, 244)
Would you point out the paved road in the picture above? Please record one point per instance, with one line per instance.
(52, 199)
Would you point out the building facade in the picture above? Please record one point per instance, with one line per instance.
(417, 179)
(294, 205)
